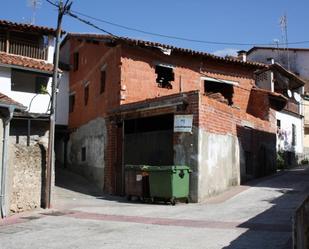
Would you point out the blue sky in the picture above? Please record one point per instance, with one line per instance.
(236, 21)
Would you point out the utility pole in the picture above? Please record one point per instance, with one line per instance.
(62, 9)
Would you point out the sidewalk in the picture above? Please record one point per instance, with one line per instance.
(257, 216)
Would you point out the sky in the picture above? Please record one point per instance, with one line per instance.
(228, 21)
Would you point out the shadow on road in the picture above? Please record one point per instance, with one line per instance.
(292, 189)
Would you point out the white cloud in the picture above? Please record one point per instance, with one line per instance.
(226, 51)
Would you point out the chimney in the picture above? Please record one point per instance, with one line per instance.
(242, 55)
(271, 60)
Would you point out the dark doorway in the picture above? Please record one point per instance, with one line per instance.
(149, 141)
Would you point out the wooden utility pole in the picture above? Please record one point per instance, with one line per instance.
(62, 9)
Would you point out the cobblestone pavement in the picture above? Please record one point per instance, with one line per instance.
(253, 216)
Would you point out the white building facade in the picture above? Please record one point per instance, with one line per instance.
(297, 61)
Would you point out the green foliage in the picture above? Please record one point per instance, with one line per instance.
(280, 160)
(304, 161)
(43, 90)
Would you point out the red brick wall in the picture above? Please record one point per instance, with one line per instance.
(220, 118)
(138, 75)
(91, 59)
(131, 76)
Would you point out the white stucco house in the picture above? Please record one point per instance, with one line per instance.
(26, 69)
(290, 121)
(295, 60)
(26, 66)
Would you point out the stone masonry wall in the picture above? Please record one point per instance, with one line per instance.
(25, 170)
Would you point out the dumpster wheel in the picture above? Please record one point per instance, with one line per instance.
(173, 201)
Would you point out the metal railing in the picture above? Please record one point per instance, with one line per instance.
(27, 49)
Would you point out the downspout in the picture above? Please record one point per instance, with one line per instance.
(6, 131)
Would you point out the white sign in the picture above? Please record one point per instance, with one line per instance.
(183, 123)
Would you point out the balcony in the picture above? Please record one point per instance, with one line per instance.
(292, 106)
(28, 48)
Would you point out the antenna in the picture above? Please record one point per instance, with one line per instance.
(34, 4)
(284, 32)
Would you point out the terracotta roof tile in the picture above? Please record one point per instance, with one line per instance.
(27, 27)
(8, 101)
(18, 60)
(137, 42)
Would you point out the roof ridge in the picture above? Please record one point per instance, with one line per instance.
(167, 46)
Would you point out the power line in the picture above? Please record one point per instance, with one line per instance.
(181, 38)
(75, 13)
(69, 13)
(52, 3)
(90, 24)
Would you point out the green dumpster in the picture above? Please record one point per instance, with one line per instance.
(169, 183)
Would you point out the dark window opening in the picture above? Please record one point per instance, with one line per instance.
(71, 102)
(23, 81)
(164, 76)
(75, 61)
(293, 134)
(278, 123)
(221, 92)
(155, 123)
(102, 81)
(86, 94)
(83, 154)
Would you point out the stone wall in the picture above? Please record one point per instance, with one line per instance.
(25, 176)
(26, 170)
(89, 139)
(301, 226)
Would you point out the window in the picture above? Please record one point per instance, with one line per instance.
(86, 94)
(102, 81)
(221, 92)
(83, 154)
(24, 81)
(71, 102)
(164, 76)
(278, 123)
(293, 134)
(75, 61)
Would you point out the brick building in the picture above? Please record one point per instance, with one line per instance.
(125, 95)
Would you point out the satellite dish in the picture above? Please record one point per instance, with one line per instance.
(289, 93)
(297, 97)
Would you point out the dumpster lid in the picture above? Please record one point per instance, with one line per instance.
(136, 167)
(167, 168)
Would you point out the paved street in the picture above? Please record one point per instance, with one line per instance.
(253, 216)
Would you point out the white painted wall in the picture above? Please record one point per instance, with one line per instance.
(299, 59)
(62, 107)
(284, 141)
(51, 49)
(35, 103)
